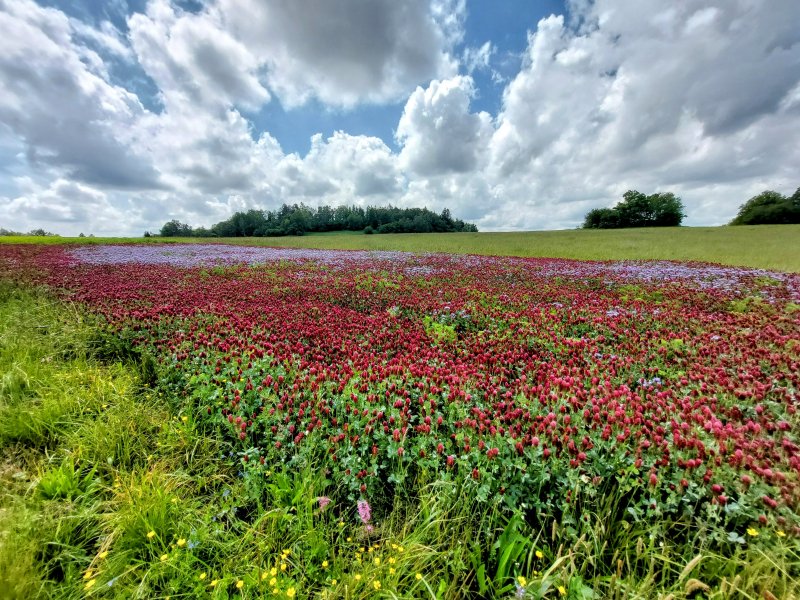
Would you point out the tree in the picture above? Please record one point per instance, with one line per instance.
(175, 228)
(769, 207)
(638, 210)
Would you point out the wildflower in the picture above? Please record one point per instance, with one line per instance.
(333, 582)
(376, 584)
(283, 566)
(539, 554)
(752, 532)
(264, 575)
(239, 584)
(273, 581)
(184, 418)
(151, 535)
(349, 539)
(392, 570)
(522, 581)
(341, 523)
(103, 554)
(392, 560)
(780, 533)
(90, 584)
(202, 576)
(290, 592)
(273, 571)
(418, 576)
(88, 574)
(324, 564)
(364, 511)
(164, 557)
(357, 577)
(181, 542)
(323, 501)
(286, 552)
(562, 590)
(377, 561)
(214, 582)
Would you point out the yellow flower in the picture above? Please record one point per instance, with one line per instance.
(324, 564)
(341, 523)
(392, 570)
(361, 549)
(349, 539)
(90, 584)
(522, 581)
(539, 554)
(214, 582)
(164, 557)
(275, 591)
(88, 574)
(273, 581)
(184, 418)
(394, 546)
(562, 590)
(202, 576)
(283, 566)
(780, 533)
(401, 549)
(286, 552)
(377, 560)
(334, 582)
(752, 532)
(239, 584)
(103, 554)
(358, 577)
(181, 542)
(273, 571)
(376, 584)
(418, 576)
(264, 575)
(291, 592)
(151, 535)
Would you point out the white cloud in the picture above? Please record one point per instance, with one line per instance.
(689, 97)
(438, 132)
(346, 52)
(56, 99)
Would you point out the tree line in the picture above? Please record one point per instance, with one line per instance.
(301, 219)
(769, 207)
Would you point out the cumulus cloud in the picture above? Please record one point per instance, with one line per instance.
(438, 132)
(346, 52)
(648, 95)
(194, 60)
(55, 98)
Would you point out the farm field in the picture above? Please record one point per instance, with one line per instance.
(231, 421)
(763, 246)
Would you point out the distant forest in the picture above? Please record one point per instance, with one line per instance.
(300, 219)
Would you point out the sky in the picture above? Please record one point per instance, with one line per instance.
(118, 116)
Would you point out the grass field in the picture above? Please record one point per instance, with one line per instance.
(774, 247)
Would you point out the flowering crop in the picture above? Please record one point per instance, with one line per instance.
(540, 381)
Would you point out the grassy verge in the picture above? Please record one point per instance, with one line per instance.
(110, 490)
(762, 246)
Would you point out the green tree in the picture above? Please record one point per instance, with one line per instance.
(175, 228)
(769, 207)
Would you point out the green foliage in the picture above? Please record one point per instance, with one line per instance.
(769, 207)
(638, 210)
(297, 220)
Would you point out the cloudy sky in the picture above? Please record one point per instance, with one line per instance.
(117, 116)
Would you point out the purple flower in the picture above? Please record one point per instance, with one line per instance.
(323, 502)
(364, 511)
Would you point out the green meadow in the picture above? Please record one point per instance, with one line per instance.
(774, 247)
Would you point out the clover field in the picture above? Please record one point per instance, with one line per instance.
(230, 421)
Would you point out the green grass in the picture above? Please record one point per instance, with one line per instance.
(774, 247)
(108, 490)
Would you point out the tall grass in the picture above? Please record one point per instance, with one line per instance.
(108, 490)
(763, 246)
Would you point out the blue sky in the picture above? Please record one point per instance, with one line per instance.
(120, 115)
